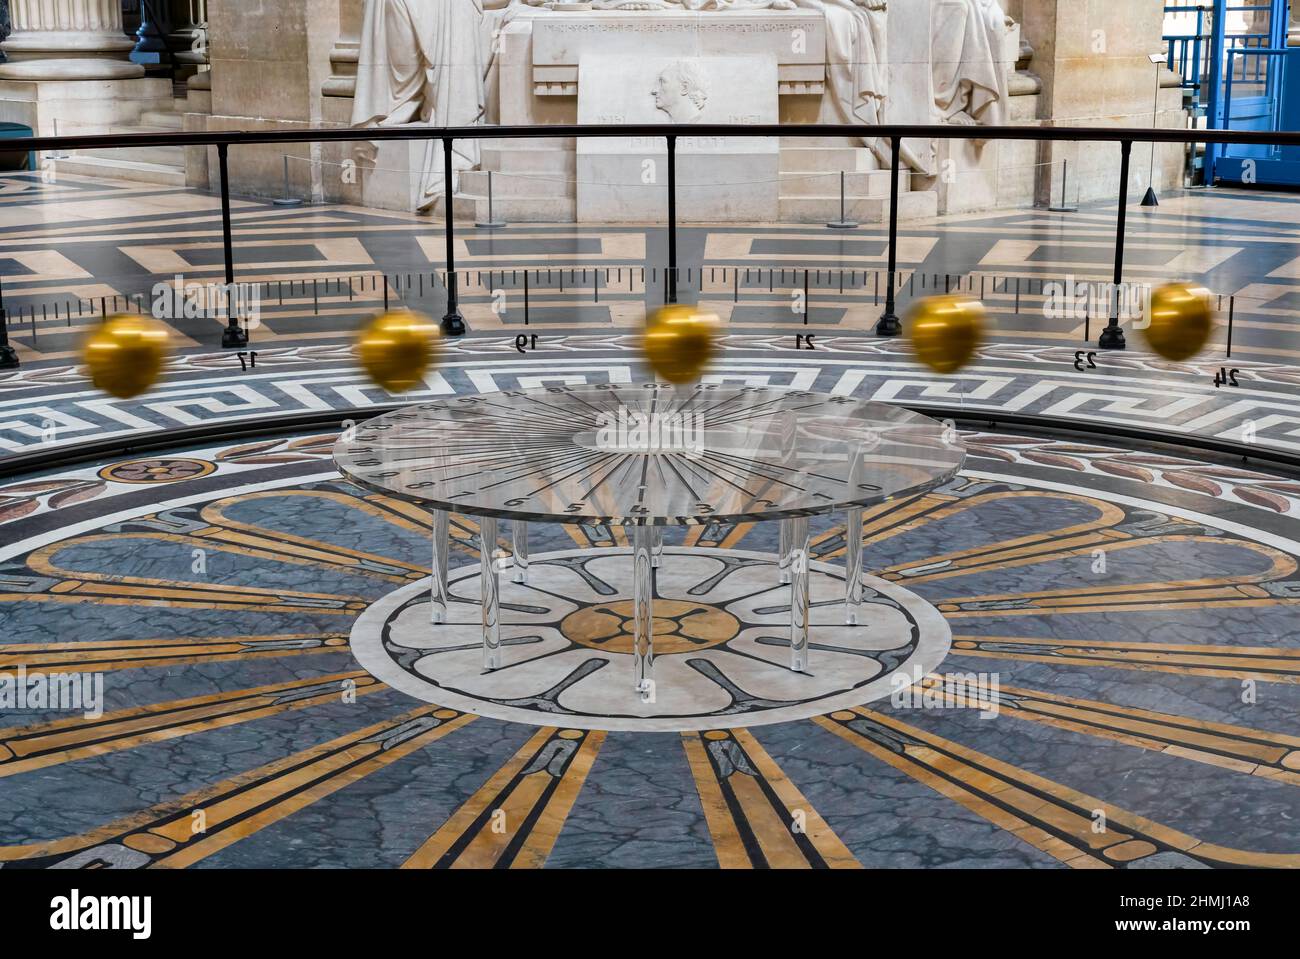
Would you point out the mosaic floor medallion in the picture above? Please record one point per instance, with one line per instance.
(721, 644)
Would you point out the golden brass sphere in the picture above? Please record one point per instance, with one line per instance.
(1181, 320)
(397, 348)
(946, 330)
(679, 342)
(125, 354)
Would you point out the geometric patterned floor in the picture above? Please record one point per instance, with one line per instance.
(1143, 634)
(1135, 605)
(75, 244)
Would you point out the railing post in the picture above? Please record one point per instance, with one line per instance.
(1196, 59)
(1216, 110)
(1112, 337)
(671, 279)
(8, 355)
(889, 324)
(453, 324)
(232, 336)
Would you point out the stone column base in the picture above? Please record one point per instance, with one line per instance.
(70, 68)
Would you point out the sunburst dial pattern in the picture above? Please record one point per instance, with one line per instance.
(649, 454)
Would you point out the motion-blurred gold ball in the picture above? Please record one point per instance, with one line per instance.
(946, 330)
(125, 354)
(1181, 320)
(679, 342)
(397, 348)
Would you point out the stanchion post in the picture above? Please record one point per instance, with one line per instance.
(1112, 337)
(232, 337)
(1231, 311)
(287, 200)
(889, 324)
(8, 355)
(1149, 198)
(1064, 206)
(843, 223)
(453, 324)
(491, 223)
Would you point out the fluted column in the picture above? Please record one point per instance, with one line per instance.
(67, 40)
(189, 36)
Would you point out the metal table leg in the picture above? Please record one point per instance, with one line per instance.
(491, 592)
(438, 579)
(799, 599)
(519, 530)
(643, 653)
(783, 553)
(853, 613)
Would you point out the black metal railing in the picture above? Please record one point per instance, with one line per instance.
(234, 336)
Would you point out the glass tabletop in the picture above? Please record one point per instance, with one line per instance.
(652, 454)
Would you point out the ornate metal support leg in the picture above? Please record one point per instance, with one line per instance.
(783, 553)
(853, 567)
(656, 546)
(491, 594)
(438, 589)
(520, 533)
(643, 653)
(798, 593)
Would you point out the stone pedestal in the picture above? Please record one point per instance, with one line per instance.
(794, 40)
(624, 179)
(75, 107)
(606, 66)
(394, 181)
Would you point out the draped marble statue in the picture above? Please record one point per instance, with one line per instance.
(856, 58)
(422, 62)
(970, 77)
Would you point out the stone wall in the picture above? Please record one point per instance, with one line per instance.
(1092, 59)
(270, 62)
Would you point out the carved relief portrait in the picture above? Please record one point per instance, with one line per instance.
(682, 91)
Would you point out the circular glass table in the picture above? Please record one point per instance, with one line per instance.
(645, 457)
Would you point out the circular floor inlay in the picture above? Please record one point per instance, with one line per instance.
(679, 627)
(168, 469)
(721, 643)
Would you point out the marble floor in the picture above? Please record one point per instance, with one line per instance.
(77, 247)
(1130, 620)
(1129, 610)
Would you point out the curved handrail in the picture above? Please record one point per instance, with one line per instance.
(45, 460)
